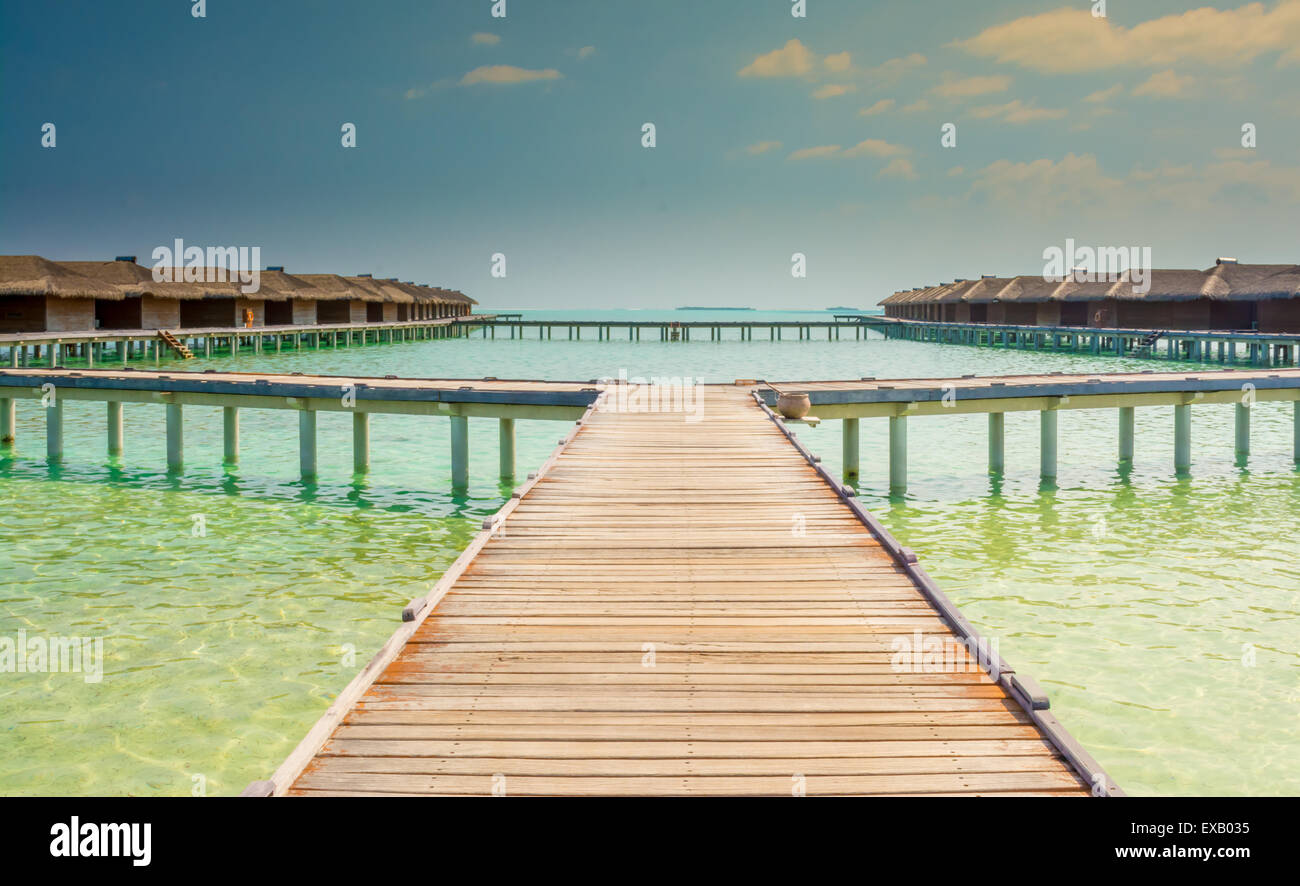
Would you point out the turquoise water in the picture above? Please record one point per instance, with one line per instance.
(1133, 598)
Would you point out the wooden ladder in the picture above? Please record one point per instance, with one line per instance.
(176, 344)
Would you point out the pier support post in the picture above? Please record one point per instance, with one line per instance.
(1295, 420)
(1182, 439)
(307, 444)
(1127, 420)
(1047, 444)
(54, 429)
(114, 428)
(459, 451)
(360, 442)
(8, 415)
(997, 442)
(230, 435)
(1243, 430)
(507, 446)
(175, 437)
(851, 450)
(897, 453)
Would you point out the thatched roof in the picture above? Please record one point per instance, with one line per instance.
(33, 275)
(1257, 282)
(332, 287)
(1228, 281)
(115, 280)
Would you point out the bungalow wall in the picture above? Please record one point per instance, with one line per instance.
(390, 312)
(304, 312)
(1021, 314)
(278, 313)
(22, 313)
(69, 314)
(1102, 314)
(962, 313)
(1048, 313)
(203, 313)
(1279, 315)
(997, 313)
(334, 311)
(124, 314)
(256, 305)
(360, 310)
(159, 313)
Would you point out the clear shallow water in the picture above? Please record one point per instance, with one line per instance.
(222, 650)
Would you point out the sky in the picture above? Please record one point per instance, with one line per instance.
(523, 136)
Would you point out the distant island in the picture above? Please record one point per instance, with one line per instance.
(706, 308)
(843, 308)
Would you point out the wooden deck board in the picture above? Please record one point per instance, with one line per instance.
(680, 608)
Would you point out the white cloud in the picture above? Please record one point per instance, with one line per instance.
(879, 107)
(1165, 84)
(505, 74)
(586, 52)
(763, 147)
(484, 39)
(890, 72)
(833, 90)
(1017, 112)
(1072, 40)
(838, 63)
(899, 167)
(814, 153)
(1102, 95)
(965, 87)
(916, 107)
(792, 60)
(874, 147)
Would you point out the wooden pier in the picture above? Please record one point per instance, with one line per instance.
(1198, 346)
(676, 607)
(101, 347)
(679, 330)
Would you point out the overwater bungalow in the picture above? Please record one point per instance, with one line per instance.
(40, 295)
(1227, 296)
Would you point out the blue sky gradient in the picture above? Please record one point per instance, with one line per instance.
(225, 130)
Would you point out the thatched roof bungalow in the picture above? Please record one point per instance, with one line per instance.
(1228, 295)
(38, 295)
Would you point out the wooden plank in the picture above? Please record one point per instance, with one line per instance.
(647, 620)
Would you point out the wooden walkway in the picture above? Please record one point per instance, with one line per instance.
(680, 608)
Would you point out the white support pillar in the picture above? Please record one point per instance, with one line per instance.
(360, 442)
(898, 454)
(1182, 438)
(997, 442)
(114, 428)
(507, 446)
(8, 423)
(1295, 420)
(175, 437)
(54, 429)
(459, 451)
(1127, 421)
(1243, 430)
(1047, 444)
(307, 444)
(852, 449)
(230, 435)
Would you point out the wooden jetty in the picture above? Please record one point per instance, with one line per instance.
(674, 607)
(677, 330)
(1195, 345)
(124, 346)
